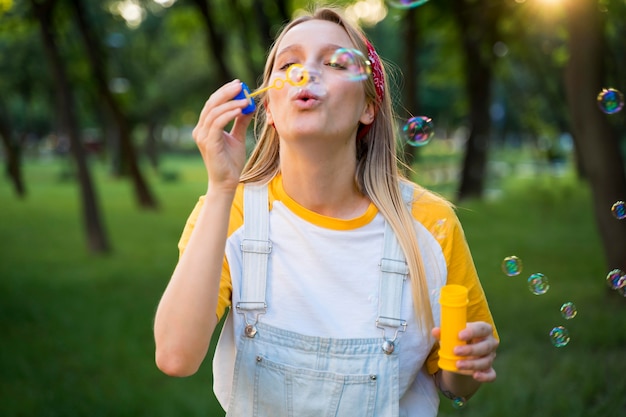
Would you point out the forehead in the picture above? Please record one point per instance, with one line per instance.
(314, 33)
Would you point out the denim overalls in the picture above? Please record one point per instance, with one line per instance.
(282, 373)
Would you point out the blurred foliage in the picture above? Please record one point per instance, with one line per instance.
(161, 67)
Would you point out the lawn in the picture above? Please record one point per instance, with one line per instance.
(77, 328)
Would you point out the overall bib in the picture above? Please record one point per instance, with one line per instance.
(280, 373)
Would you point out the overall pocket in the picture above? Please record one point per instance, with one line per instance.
(285, 391)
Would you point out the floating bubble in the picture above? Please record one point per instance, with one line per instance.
(619, 210)
(418, 131)
(568, 310)
(559, 336)
(512, 266)
(538, 284)
(616, 279)
(610, 100)
(459, 402)
(357, 67)
(405, 4)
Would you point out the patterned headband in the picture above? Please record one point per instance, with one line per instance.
(379, 83)
(377, 71)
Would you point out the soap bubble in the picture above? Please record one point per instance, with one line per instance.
(405, 4)
(418, 131)
(356, 66)
(459, 402)
(512, 266)
(610, 100)
(616, 279)
(619, 210)
(568, 310)
(538, 283)
(559, 336)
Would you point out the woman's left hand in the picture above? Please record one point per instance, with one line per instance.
(479, 352)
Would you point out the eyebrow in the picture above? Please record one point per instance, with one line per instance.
(328, 48)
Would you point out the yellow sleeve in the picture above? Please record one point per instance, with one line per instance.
(236, 220)
(447, 229)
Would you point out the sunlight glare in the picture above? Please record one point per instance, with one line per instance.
(367, 12)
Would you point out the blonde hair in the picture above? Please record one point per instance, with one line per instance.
(377, 174)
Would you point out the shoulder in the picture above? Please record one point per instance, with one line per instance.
(427, 206)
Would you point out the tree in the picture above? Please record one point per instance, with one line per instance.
(96, 236)
(95, 55)
(13, 153)
(595, 140)
(477, 24)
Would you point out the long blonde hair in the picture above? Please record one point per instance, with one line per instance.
(377, 173)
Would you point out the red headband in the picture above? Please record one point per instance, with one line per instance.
(377, 71)
(379, 83)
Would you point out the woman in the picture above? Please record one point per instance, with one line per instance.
(330, 262)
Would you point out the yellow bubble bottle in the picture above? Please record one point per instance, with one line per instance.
(453, 301)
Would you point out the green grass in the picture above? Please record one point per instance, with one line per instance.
(77, 328)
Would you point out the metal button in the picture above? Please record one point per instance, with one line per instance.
(388, 347)
(249, 330)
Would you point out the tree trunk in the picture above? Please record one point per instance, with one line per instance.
(215, 42)
(13, 154)
(96, 235)
(596, 142)
(476, 30)
(143, 194)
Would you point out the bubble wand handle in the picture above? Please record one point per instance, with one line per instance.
(296, 75)
(453, 301)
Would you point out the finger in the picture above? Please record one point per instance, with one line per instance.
(477, 347)
(222, 95)
(241, 125)
(482, 363)
(436, 332)
(485, 376)
(474, 330)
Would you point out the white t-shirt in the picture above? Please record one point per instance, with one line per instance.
(323, 280)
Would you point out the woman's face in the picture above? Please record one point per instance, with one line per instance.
(334, 106)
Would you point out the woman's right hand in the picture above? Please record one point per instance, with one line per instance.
(224, 153)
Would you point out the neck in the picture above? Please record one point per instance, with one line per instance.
(322, 179)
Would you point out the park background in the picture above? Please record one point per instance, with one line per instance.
(97, 106)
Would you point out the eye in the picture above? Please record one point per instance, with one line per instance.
(336, 65)
(286, 66)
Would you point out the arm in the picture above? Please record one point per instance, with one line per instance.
(186, 316)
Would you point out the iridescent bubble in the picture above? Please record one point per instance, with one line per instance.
(459, 402)
(405, 4)
(538, 284)
(610, 100)
(512, 266)
(356, 66)
(568, 310)
(616, 279)
(559, 336)
(619, 210)
(418, 131)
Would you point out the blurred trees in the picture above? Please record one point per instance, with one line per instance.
(138, 68)
(43, 12)
(596, 140)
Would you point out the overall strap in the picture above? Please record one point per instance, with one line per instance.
(256, 248)
(394, 271)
